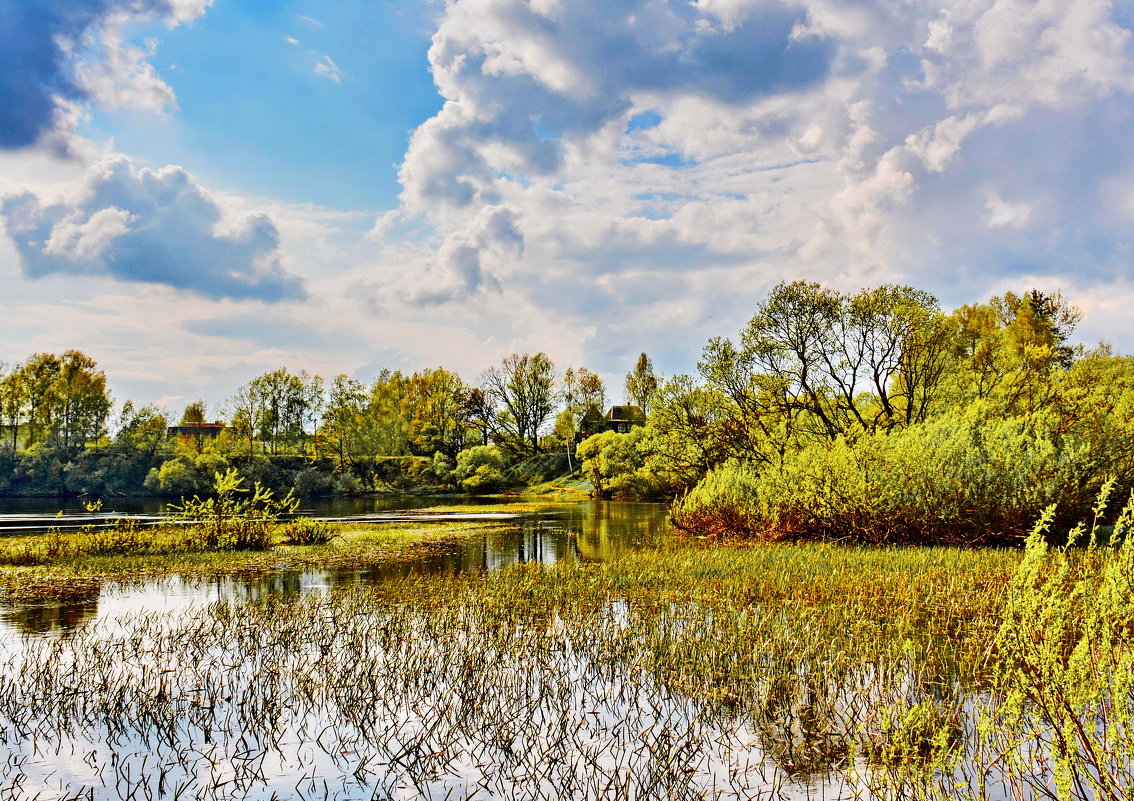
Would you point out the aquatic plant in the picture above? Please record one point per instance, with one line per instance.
(233, 517)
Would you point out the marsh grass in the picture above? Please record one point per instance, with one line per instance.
(45, 566)
(693, 672)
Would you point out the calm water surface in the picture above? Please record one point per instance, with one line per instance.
(589, 531)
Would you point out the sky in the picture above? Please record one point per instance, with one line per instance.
(195, 192)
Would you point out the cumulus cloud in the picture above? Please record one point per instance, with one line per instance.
(149, 226)
(463, 262)
(853, 142)
(59, 53)
(525, 81)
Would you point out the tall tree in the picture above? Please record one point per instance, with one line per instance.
(524, 387)
(480, 411)
(65, 399)
(84, 400)
(814, 362)
(345, 417)
(13, 400)
(194, 413)
(641, 383)
(39, 376)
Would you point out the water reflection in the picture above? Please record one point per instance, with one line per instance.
(64, 612)
(581, 532)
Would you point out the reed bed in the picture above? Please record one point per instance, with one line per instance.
(791, 671)
(694, 673)
(48, 565)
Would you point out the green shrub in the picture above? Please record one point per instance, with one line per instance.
(480, 470)
(313, 482)
(958, 479)
(1064, 660)
(305, 531)
(228, 521)
(348, 484)
(175, 477)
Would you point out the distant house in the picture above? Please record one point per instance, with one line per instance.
(197, 431)
(592, 423)
(618, 418)
(623, 418)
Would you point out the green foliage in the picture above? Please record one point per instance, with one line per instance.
(480, 470)
(313, 482)
(229, 521)
(964, 478)
(1065, 660)
(611, 462)
(175, 477)
(305, 531)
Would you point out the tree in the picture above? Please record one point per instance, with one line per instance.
(38, 376)
(85, 403)
(314, 400)
(480, 411)
(816, 363)
(13, 401)
(434, 407)
(64, 399)
(524, 388)
(194, 413)
(641, 383)
(1010, 348)
(345, 418)
(283, 401)
(245, 410)
(591, 392)
(583, 392)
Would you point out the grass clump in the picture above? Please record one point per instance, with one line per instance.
(307, 532)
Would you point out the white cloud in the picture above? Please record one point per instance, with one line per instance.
(939, 145)
(326, 68)
(149, 226)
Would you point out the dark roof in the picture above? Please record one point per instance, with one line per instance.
(624, 413)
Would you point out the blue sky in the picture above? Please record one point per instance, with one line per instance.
(198, 191)
(254, 112)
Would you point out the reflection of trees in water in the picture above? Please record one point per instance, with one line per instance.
(609, 528)
(62, 611)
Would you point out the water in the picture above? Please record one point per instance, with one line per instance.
(147, 691)
(164, 708)
(582, 532)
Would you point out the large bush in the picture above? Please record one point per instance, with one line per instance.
(480, 470)
(957, 478)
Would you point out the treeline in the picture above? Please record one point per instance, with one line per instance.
(872, 416)
(877, 417)
(296, 430)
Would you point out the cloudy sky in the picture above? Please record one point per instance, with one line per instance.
(197, 191)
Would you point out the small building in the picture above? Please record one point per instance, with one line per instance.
(623, 418)
(592, 423)
(197, 431)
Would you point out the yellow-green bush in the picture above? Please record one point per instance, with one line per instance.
(962, 478)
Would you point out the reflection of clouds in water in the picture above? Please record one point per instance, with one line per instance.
(385, 699)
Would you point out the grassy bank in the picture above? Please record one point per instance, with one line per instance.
(53, 563)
